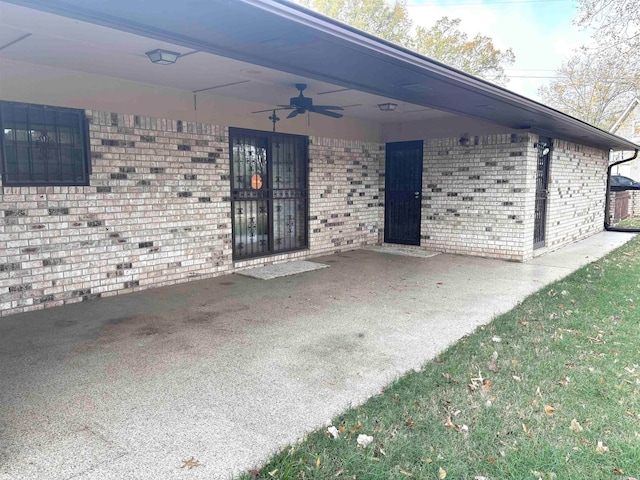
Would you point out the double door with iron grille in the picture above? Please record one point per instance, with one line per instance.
(269, 192)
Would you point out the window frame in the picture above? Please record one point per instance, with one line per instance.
(79, 125)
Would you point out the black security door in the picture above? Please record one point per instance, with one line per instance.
(403, 193)
(542, 191)
(269, 193)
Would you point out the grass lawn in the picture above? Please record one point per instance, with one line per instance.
(633, 222)
(549, 390)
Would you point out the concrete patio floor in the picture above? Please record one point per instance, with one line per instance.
(230, 369)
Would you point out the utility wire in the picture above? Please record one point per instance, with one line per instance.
(499, 2)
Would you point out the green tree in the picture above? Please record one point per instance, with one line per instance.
(594, 87)
(377, 17)
(478, 56)
(443, 42)
(617, 23)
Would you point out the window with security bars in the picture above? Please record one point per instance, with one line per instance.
(268, 192)
(43, 145)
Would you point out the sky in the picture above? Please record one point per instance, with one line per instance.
(541, 33)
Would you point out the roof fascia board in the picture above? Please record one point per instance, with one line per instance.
(345, 32)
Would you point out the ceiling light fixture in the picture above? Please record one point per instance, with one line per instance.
(162, 57)
(387, 107)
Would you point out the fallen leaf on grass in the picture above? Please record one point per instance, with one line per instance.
(442, 473)
(601, 448)
(364, 440)
(449, 423)
(407, 474)
(496, 339)
(476, 381)
(190, 463)
(356, 427)
(318, 462)
(549, 410)
(567, 330)
(253, 473)
(487, 385)
(480, 477)
(410, 423)
(333, 431)
(491, 459)
(575, 426)
(617, 471)
(273, 472)
(339, 472)
(493, 364)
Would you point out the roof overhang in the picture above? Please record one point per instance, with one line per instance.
(284, 36)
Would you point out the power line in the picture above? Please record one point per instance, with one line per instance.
(529, 76)
(499, 2)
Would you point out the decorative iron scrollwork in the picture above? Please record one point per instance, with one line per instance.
(45, 144)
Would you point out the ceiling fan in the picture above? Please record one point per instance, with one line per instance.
(301, 104)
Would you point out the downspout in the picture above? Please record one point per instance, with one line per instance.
(607, 226)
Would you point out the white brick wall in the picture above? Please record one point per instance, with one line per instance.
(476, 193)
(347, 190)
(151, 216)
(577, 188)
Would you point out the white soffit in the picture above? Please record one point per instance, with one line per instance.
(33, 36)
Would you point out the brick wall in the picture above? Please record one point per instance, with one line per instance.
(156, 213)
(577, 187)
(476, 192)
(347, 193)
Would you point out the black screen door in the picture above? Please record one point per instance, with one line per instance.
(403, 192)
(542, 186)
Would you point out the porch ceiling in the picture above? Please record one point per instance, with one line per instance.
(257, 49)
(42, 38)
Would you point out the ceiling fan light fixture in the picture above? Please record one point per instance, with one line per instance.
(162, 57)
(387, 107)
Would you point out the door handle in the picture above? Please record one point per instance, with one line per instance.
(416, 194)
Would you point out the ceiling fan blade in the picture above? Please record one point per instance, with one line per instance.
(293, 114)
(328, 107)
(328, 113)
(270, 110)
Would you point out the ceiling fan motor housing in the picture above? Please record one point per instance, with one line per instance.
(302, 103)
